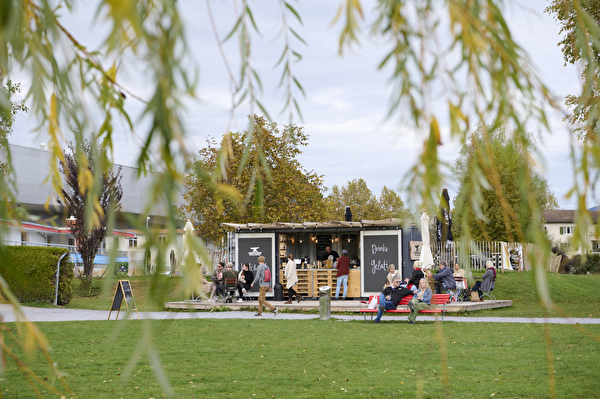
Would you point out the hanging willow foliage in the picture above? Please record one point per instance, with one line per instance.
(459, 53)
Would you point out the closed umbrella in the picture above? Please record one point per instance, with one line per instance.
(190, 260)
(426, 258)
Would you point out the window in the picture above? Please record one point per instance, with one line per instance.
(566, 230)
(162, 240)
(71, 241)
(132, 242)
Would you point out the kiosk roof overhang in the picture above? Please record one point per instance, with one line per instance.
(333, 224)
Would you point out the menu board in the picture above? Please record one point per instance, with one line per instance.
(123, 291)
(250, 247)
(380, 249)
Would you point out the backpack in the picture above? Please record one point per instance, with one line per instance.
(267, 275)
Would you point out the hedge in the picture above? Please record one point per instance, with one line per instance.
(590, 264)
(31, 273)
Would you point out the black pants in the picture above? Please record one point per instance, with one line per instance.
(243, 285)
(292, 293)
(477, 287)
(439, 287)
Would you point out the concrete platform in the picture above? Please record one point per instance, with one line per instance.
(336, 306)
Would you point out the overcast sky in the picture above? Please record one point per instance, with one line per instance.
(346, 97)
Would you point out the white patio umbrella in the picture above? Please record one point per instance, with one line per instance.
(426, 258)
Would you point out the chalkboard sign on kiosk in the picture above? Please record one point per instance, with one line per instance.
(250, 246)
(379, 250)
(123, 291)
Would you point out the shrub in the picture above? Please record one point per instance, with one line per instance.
(31, 273)
(590, 264)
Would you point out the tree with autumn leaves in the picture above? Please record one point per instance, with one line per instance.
(90, 210)
(256, 178)
(364, 204)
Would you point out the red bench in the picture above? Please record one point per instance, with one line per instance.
(438, 300)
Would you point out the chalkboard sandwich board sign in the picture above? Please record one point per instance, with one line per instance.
(123, 291)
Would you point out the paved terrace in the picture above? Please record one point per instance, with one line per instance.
(336, 306)
(60, 314)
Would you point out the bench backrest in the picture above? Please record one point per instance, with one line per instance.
(436, 299)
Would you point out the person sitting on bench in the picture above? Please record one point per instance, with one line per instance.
(391, 297)
(412, 283)
(420, 301)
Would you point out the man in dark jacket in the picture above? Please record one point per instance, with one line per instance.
(444, 280)
(390, 297)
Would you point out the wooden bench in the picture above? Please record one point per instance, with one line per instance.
(438, 300)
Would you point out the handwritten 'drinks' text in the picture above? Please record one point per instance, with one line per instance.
(378, 248)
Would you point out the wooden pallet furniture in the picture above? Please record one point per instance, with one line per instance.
(310, 280)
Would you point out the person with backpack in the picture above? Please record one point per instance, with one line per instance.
(263, 278)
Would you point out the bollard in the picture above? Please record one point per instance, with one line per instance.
(325, 303)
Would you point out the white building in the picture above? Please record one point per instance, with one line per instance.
(49, 228)
(560, 225)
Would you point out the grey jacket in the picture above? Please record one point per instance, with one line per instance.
(445, 276)
(487, 283)
(260, 276)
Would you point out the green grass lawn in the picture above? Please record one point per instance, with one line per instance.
(575, 295)
(315, 359)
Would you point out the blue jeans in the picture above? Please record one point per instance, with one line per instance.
(387, 305)
(340, 280)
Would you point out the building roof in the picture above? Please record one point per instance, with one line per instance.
(565, 216)
(56, 229)
(313, 225)
(34, 190)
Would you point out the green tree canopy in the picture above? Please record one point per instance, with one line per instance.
(505, 202)
(363, 203)
(260, 162)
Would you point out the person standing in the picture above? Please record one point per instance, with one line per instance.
(329, 256)
(291, 278)
(421, 300)
(343, 270)
(264, 287)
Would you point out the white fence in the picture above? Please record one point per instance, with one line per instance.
(475, 254)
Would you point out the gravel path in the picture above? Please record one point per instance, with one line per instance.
(58, 314)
